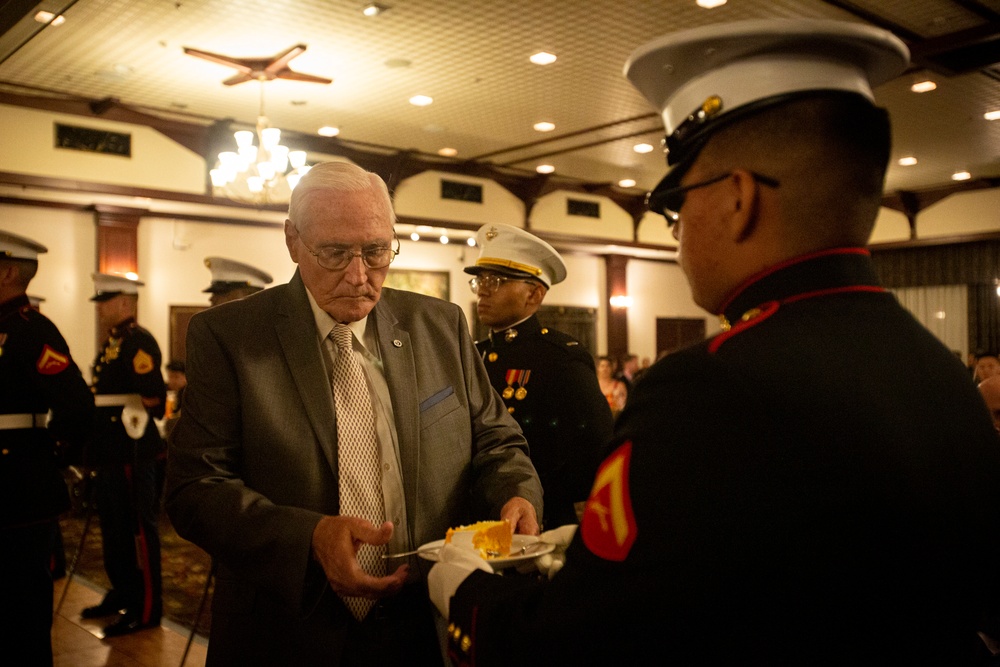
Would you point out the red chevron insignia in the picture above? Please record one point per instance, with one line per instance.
(608, 526)
(51, 362)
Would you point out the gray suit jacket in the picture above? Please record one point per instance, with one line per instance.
(253, 460)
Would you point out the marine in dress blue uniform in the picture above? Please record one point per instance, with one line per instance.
(819, 483)
(233, 280)
(546, 378)
(129, 389)
(46, 419)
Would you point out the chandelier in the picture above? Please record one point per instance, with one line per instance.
(261, 173)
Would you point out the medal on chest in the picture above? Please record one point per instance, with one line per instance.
(519, 378)
(112, 349)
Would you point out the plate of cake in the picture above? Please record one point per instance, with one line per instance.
(493, 541)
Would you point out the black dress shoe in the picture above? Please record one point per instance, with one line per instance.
(127, 623)
(106, 608)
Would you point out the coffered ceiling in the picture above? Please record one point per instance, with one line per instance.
(472, 58)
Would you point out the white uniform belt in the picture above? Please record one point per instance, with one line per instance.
(114, 400)
(29, 420)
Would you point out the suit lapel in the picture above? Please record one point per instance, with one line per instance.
(401, 377)
(296, 332)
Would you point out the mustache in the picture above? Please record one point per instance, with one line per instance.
(368, 293)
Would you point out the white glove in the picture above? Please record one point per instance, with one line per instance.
(453, 566)
(551, 563)
(134, 417)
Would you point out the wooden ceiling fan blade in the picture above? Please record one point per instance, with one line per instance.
(280, 61)
(237, 78)
(299, 76)
(238, 63)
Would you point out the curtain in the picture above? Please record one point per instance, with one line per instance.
(943, 309)
(975, 266)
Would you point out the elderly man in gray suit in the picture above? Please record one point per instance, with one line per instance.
(263, 477)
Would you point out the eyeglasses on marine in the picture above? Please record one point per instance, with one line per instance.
(492, 283)
(668, 201)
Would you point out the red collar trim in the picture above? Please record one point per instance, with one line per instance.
(785, 264)
(766, 310)
(771, 307)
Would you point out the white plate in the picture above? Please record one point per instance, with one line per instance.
(532, 549)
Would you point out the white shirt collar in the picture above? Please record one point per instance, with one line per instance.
(324, 322)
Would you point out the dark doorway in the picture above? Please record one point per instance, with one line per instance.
(674, 333)
(179, 318)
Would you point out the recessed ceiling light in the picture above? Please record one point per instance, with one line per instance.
(710, 4)
(643, 148)
(961, 176)
(907, 161)
(544, 126)
(992, 115)
(49, 18)
(421, 100)
(328, 131)
(414, 236)
(448, 152)
(444, 239)
(923, 86)
(542, 58)
(545, 169)
(626, 183)
(373, 9)
(471, 242)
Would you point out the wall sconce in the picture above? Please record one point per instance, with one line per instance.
(620, 301)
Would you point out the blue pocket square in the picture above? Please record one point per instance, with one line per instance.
(436, 398)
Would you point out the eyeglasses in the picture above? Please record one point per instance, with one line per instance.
(493, 283)
(333, 258)
(668, 201)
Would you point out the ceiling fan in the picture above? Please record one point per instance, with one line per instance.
(260, 69)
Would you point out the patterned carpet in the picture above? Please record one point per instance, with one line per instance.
(185, 568)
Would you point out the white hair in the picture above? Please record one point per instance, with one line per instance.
(336, 177)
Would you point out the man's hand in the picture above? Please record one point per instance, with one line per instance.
(335, 544)
(521, 515)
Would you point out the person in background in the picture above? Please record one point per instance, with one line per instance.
(628, 370)
(266, 465)
(46, 422)
(987, 365)
(546, 379)
(838, 510)
(130, 394)
(990, 391)
(176, 381)
(614, 391)
(233, 280)
(989, 631)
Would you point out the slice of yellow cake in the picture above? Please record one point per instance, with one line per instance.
(491, 538)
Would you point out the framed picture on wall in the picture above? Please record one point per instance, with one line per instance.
(431, 283)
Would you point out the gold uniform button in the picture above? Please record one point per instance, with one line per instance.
(492, 356)
(466, 643)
